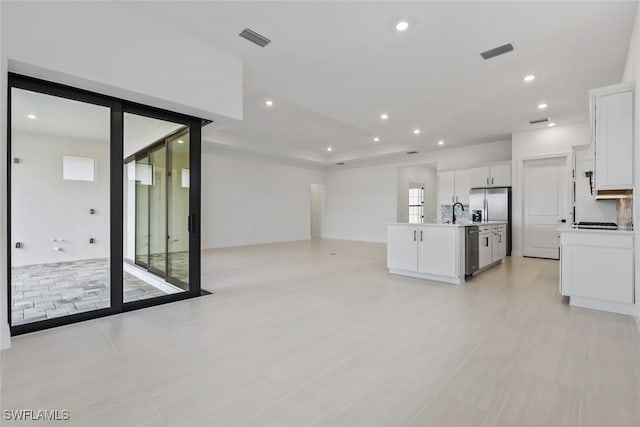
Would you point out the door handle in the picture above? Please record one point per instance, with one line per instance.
(191, 223)
(563, 220)
(414, 235)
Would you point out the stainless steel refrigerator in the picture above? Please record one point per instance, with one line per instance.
(493, 204)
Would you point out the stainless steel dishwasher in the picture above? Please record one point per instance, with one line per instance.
(471, 249)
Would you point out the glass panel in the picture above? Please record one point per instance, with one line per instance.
(148, 204)
(143, 177)
(59, 228)
(158, 212)
(178, 210)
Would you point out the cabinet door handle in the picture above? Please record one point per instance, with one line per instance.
(487, 181)
(421, 235)
(414, 235)
(486, 239)
(491, 181)
(500, 238)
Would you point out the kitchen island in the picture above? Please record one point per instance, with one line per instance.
(433, 251)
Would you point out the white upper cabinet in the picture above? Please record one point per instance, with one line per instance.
(454, 186)
(491, 176)
(480, 177)
(612, 127)
(446, 188)
(500, 175)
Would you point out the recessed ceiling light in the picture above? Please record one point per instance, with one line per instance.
(376, 139)
(529, 78)
(402, 26)
(542, 106)
(268, 103)
(441, 142)
(551, 124)
(416, 131)
(329, 149)
(180, 141)
(384, 116)
(31, 116)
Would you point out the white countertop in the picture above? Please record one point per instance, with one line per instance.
(457, 224)
(569, 229)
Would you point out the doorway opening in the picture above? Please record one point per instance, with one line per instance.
(317, 197)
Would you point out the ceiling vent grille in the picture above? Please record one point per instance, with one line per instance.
(254, 37)
(535, 122)
(412, 152)
(497, 51)
(339, 163)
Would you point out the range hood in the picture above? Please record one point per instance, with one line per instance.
(613, 194)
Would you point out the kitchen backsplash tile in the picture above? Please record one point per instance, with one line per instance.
(447, 213)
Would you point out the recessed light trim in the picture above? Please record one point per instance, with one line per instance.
(402, 26)
(376, 139)
(32, 116)
(268, 103)
(329, 149)
(529, 78)
(441, 142)
(551, 124)
(384, 116)
(416, 131)
(542, 106)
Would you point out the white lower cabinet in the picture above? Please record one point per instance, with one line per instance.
(493, 244)
(597, 269)
(402, 243)
(426, 251)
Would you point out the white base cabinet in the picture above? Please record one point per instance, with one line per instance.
(493, 245)
(426, 251)
(597, 269)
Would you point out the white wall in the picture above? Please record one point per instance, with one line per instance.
(5, 337)
(361, 200)
(632, 73)
(44, 206)
(555, 140)
(427, 175)
(250, 200)
(108, 48)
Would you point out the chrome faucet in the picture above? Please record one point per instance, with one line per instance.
(453, 214)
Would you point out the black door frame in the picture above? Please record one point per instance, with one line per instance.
(116, 188)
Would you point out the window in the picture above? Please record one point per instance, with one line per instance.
(416, 203)
(76, 168)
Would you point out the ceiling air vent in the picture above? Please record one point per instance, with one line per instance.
(535, 122)
(254, 37)
(205, 122)
(412, 152)
(497, 51)
(339, 163)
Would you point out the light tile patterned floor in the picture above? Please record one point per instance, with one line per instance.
(45, 291)
(319, 334)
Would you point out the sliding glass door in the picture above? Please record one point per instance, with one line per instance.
(104, 205)
(158, 196)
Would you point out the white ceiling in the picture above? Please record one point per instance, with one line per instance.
(333, 67)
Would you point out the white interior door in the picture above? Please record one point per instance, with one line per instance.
(317, 210)
(545, 205)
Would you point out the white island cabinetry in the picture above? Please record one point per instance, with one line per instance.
(427, 251)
